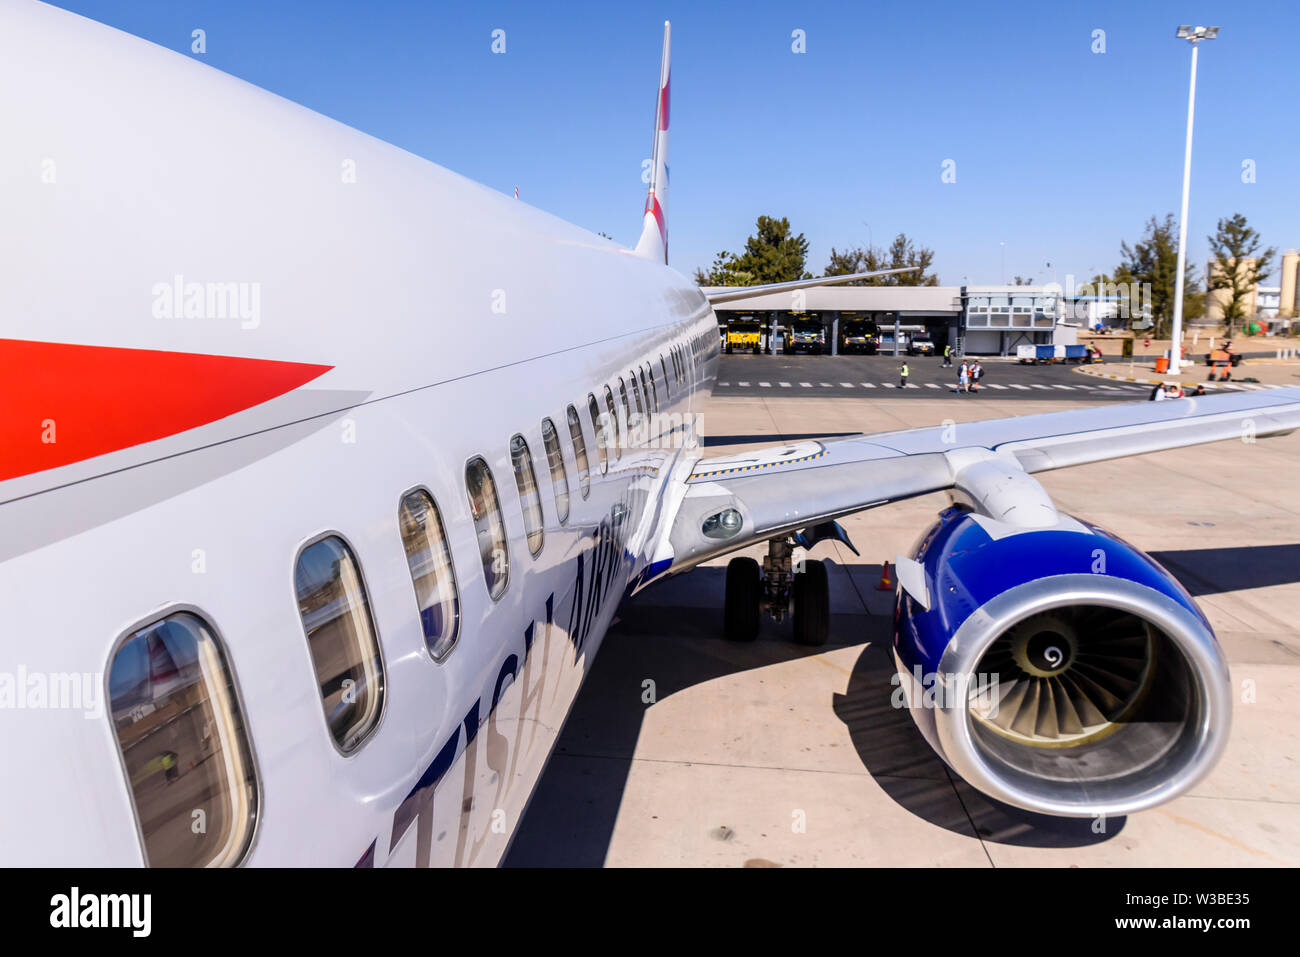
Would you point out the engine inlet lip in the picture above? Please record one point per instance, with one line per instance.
(954, 723)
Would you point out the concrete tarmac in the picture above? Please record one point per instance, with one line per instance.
(685, 749)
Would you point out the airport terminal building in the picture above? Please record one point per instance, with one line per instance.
(974, 320)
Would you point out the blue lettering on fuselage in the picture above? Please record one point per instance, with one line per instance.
(595, 569)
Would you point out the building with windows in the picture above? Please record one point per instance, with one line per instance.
(983, 320)
(1000, 318)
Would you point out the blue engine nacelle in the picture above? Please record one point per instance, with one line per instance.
(1058, 668)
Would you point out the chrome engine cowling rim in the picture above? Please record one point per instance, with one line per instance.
(1204, 738)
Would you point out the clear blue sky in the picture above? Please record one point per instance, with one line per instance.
(1060, 152)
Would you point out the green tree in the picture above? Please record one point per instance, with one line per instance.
(724, 272)
(901, 252)
(1237, 264)
(773, 254)
(1151, 263)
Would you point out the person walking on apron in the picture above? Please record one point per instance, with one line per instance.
(902, 377)
(963, 377)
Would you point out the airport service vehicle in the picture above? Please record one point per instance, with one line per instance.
(1040, 354)
(806, 336)
(859, 337)
(744, 335)
(920, 344)
(1223, 357)
(293, 576)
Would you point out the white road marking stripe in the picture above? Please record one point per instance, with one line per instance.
(846, 385)
(744, 385)
(888, 385)
(1067, 388)
(867, 385)
(724, 383)
(826, 385)
(992, 385)
(931, 385)
(1039, 385)
(806, 385)
(765, 385)
(1022, 388)
(784, 385)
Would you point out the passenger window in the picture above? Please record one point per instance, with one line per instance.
(579, 451)
(600, 428)
(485, 509)
(651, 398)
(613, 422)
(624, 404)
(341, 638)
(636, 393)
(559, 475)
(184, 748)
(432, 573)
(530, 500)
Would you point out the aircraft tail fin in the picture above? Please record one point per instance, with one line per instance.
(653, 243)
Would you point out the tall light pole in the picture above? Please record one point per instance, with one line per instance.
(1192, 35)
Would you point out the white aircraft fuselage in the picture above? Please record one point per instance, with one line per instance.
(451, 318)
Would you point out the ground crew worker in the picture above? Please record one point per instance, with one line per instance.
(902, 377)
(947, 356)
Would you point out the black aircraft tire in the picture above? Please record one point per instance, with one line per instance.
(740, 610)
(812, 605)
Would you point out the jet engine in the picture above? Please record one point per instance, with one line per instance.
(1052, 665)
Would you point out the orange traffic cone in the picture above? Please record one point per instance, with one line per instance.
(886, 580)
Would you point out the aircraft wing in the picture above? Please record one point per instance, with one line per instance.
(728, 293)
(785, 488)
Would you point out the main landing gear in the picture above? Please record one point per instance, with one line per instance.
(778, 588)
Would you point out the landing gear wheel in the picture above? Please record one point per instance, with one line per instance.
(740, 611)
(812, 605)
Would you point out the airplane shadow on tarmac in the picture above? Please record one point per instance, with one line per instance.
(676, 642)
(1211, 571)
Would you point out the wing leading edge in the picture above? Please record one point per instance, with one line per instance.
(782, 489)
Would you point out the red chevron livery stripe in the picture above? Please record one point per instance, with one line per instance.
(67, 403)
